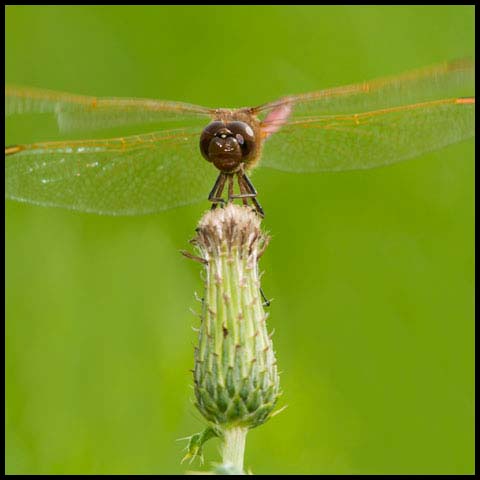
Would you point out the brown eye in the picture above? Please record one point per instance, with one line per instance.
(208, 133)
(244, 136)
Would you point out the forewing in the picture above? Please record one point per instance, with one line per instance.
(371, 124)
(78, 112)
(122, 176)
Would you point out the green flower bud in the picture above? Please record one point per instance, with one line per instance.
(235, 374)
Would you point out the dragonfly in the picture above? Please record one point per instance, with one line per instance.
(360, 126)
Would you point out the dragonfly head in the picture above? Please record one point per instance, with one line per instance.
(227, 144)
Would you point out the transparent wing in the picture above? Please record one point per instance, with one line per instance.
(368, 140)
(122, 176)
(371, 124)
(78, 112)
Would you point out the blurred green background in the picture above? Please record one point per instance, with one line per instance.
(372, 273)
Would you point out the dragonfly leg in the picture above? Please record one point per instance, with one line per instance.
(215, 195)
(230, 188)
(243, 193)
(266, 301)
(248, 191)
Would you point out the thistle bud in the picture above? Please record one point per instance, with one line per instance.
(235, 374)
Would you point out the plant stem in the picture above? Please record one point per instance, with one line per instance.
(233, 449)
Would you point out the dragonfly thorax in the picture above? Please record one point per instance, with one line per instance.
(227, 145)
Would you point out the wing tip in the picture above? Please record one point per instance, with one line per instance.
(465, 100)
(464, 63)
(12, 149)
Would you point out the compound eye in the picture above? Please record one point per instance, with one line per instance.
(244, 135)
(208, 133)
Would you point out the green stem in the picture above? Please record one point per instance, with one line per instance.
(233, 449)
